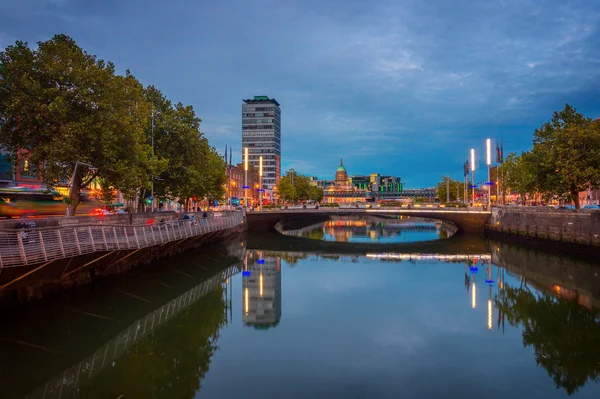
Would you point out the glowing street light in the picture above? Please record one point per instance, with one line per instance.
(245, 176)
(488, 149)
(473, 172)
(260, 186)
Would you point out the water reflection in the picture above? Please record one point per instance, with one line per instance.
(372, 229)
(261, 287)
(375, 324)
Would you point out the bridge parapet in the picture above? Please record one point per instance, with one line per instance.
(466, 220)
(38, 245)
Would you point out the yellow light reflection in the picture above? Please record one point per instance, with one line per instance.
(261, 284)
(489, 314)
(474, 295)
(246, 301)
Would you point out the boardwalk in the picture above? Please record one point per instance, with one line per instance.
(29, 247)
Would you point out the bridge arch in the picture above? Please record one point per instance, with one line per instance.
(466, 221)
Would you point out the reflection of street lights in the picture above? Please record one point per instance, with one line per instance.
(92, 169)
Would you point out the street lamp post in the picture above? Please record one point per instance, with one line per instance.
(152, 140)
(260, 180)
(473, 173)
(73, 179)
(246, 177)
(488, 148)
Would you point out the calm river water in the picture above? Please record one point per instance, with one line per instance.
(259, 318)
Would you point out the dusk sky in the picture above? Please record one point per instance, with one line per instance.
(397, 87)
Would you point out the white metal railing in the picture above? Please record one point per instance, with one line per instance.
(71, 379)
(32, 246)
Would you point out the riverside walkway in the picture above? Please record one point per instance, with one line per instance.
(47, 244)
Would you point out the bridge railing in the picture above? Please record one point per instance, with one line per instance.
(364, 209)
(32, 246)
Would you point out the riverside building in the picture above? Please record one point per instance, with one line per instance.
(261, 134)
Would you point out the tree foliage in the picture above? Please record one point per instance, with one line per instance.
(564, 160)
(63, 106)
(564, 334)
(194, 167)
(457, 189)
(295, 187)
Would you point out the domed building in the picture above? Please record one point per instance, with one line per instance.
(341, 176)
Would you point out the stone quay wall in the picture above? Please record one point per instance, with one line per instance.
(567, 226)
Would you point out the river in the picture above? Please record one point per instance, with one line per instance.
(351, 308)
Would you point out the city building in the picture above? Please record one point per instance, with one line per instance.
(236, 184)
(359, 188)
(20, 174)
(261, 134)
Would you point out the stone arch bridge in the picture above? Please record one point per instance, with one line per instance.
(467, 221)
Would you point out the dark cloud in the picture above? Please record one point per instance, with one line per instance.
(398, 87)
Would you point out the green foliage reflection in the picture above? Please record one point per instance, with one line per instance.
(564, 334)
(172, 361)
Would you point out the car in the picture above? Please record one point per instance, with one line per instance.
(100, 212)
(566, 207)
(591, 207)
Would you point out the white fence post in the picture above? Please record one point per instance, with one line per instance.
(126, 238)
(104, 238)
(92, 239)
(116, 238)
(42, 245)
(21, 247)
(77, 240)
(60, 242)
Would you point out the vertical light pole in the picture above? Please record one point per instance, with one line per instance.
(152, 139)
(447, 189)
(488, 149)
(473, 172)
(245, 176)
(260, 183)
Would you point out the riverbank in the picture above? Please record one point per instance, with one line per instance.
(99, 251)
(543, 227)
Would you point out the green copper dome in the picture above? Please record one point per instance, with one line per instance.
(341, 168)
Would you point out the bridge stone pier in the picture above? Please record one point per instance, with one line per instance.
(467, 221)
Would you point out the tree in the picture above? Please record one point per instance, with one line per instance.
(519, 174)
(194, 168)
(316, 194)
(457, 189)
(566, 154)
(65, 106)
(295, 187)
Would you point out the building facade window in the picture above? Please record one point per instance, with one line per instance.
(28, 170)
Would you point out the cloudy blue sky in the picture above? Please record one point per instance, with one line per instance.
(401, 87)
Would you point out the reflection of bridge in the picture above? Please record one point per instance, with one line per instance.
(465, 220)
(67, 383)
(457, 244)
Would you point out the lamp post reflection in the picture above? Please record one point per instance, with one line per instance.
(490, 308)
(261, 286)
